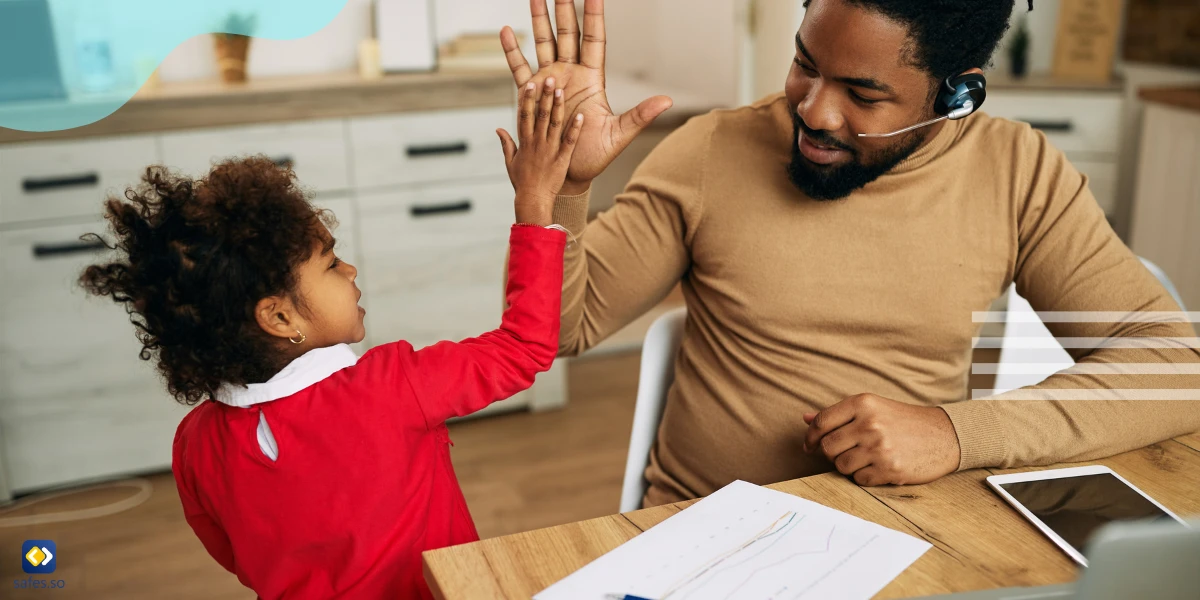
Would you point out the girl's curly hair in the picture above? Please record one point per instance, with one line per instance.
(196, 256)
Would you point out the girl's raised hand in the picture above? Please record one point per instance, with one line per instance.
(538, 166)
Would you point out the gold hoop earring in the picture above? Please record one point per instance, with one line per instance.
(299, 341)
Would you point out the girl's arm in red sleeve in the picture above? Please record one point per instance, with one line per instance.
(453, 379)
(210, 533)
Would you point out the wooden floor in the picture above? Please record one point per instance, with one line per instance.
(525, 471)
(519, 472)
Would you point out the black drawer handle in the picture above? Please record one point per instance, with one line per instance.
(1058, 126)
(284, 161)
(436, 150)
(427, 210)
(49, 183)
(68, 248)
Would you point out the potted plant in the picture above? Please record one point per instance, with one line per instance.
(1018, 50)
(232, 44)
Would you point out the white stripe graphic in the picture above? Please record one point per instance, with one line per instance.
(1086, 368)
(1102, 316)
(1019, 342)
(1088, 394)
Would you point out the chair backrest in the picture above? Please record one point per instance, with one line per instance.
(1165, 281)
(655, 378)
(1029, 352)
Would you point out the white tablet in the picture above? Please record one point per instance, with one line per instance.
(1068, 505)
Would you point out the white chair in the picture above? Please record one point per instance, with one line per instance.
(1037, 345)
(654, 379)
(662, 344)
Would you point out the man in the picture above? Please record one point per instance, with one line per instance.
(830, 278)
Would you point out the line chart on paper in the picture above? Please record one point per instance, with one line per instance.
(749, 542)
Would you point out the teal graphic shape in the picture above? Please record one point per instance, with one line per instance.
(68, 63)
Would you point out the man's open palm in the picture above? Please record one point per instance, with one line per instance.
(576, 62)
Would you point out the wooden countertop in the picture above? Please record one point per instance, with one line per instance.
(1187, 98)
(212, 103)
(194, 104)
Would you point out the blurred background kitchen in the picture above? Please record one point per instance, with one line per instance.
(387, 115)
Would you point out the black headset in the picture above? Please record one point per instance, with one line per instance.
(960, 95)
(957, 97)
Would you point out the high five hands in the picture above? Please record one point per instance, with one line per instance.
(576, 62)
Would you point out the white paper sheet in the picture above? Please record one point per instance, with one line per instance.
(747, 542)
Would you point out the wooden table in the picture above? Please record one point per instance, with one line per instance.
(978, 541)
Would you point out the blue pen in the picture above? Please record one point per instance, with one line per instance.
(624, 597)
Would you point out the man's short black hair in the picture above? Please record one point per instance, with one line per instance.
(947, 36)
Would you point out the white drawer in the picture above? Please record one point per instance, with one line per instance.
(435, 294)
(440, 213)
(439, 276)
(99, 433)
(75, 399)
(1073, 122)
(55, 340)
(1102, 180)
(47, 180)
(426, 147)
(315, 149)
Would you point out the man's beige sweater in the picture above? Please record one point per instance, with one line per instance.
(795, 304)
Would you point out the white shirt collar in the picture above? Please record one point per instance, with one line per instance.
(310, 368)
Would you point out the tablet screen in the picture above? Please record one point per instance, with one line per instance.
(1074, 507)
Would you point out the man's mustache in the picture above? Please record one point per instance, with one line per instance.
(820, 136)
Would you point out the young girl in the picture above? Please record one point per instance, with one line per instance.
(305, 470)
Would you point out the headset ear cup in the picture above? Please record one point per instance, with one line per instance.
(956, 91)
(976, 85)
(944, 96)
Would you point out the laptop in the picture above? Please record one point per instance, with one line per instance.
(1157, 560)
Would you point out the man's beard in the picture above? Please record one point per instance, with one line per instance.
(822, 182)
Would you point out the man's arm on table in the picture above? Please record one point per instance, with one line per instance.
(1069, 259)
(631, 256)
